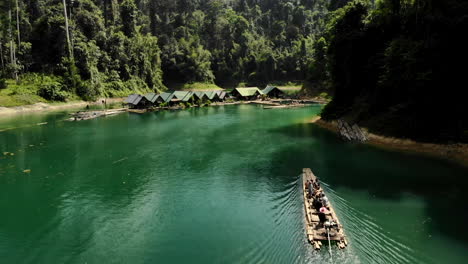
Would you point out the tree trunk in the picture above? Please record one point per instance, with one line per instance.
(1, 57)
(12, 47)
(18, 24)
(70, 51)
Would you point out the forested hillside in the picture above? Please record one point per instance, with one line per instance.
(394, 66)
(397, 67)
(117, 46)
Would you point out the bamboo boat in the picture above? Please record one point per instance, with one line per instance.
(329, 230)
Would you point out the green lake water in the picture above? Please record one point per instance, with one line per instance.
(216, 185)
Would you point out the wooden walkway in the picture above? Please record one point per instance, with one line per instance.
(320, 232)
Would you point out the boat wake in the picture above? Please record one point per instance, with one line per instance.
(369, 241)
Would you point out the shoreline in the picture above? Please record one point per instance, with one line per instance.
(457, 152)
(43, 107)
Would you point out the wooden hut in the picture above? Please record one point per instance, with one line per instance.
(221, 95)
(181, 97)
(165, 98)
(273, 92)
(212, 96)
(188, 98)
(136, 101)
(199, 96)
(250, 93)
(152, 98)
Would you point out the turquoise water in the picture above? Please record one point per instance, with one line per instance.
(216, 185)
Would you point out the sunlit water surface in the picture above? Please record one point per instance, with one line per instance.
(215, 185)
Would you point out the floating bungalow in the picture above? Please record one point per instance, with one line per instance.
(174, 98)
(136, 101)
(250, 93)
(182, 97)
(273, 92)
(212, 96)
(199, 96)
(221, 95)
(151, 97)
(179, 95)
(189, 97)
(166, 97)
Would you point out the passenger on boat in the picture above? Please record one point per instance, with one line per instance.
(318, 194)
(317, 204)
(324, 200)
(316, 184)
(321, 214)
(311, 189)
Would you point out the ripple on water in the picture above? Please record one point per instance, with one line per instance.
(365, 235)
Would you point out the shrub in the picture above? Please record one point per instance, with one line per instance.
(3, 83)
(89, 90)
(53, 91)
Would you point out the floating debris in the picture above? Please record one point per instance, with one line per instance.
(27, 171)
(120, 160)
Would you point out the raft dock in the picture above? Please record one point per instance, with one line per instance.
(86, 115)
(320, 232)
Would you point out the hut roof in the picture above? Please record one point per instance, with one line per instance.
(133, 99)
(167, 97)
(180, 94)
(211, 95)
(221, 94)
(199, 95)
(269, 89)
(248, 91)
(152, 97)
(187, 97)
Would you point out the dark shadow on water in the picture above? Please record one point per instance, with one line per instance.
(384, 174)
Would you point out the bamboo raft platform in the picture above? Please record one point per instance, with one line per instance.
(86, 115)
(318, 233)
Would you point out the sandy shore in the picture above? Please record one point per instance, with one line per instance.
(51, 107)
(455, 152)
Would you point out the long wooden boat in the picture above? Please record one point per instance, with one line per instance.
(329, 230)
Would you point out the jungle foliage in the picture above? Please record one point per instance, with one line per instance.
(396, 67)
(116, 46)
